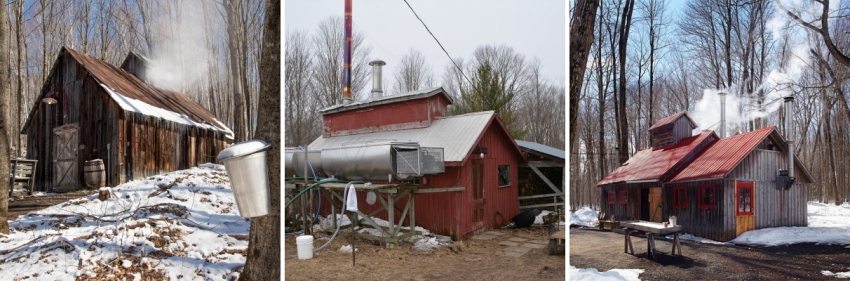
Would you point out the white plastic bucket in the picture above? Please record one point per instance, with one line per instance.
(246, 166)
(305, 247)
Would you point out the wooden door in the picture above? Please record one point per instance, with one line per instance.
(65, 143)
(477, 194)
(745, 218)
(655, 204)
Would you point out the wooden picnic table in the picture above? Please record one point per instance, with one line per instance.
(651, 229)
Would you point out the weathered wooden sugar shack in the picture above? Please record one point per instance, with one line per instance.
(88, 109)
(717, 187)
(477, 190)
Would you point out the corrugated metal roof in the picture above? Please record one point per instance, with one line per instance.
(134, 91)
(670, 119)
(388, 99)
(455, 134)
(719, 158)
(654, 163)
(548, 150)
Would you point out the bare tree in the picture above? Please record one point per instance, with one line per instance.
(581, 37)
(328, 51)
(263, 262)
(302, 120)
(412, 73)
(823, 30)
(622, 122)
(4, 124)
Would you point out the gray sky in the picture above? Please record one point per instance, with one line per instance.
(532, 28)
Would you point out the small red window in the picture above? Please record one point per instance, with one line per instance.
(707, 196)
(612, 197)
(680, 197)
(624, 196)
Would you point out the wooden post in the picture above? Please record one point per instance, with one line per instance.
(391, 218)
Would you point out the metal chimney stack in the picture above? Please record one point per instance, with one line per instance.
(346, 73)
(377, 86)
(789, 133)
(722, 128)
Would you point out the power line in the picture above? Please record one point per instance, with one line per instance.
(438, 42)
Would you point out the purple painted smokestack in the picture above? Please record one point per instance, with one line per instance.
(346, 82)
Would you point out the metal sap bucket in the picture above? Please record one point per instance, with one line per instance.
(95, 174)
(245, 163)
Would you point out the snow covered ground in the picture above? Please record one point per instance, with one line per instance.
(180, 225)
(828, 225)
(611, 275)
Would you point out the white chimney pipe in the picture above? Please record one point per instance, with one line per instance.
(722, 128)
(377, 87)
(789, 132)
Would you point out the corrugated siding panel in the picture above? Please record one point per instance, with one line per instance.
(456, 134)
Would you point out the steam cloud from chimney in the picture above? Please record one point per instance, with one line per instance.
(779, 83)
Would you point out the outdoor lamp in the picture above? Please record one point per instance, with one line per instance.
(49, 100)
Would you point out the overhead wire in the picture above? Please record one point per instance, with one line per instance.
(438, 42)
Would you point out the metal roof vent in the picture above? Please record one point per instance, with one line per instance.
(377, 87)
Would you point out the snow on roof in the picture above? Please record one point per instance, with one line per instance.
(455, 134)
(134, 105)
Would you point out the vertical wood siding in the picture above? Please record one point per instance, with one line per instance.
(152, 141)
(450, 213)
(774, 206)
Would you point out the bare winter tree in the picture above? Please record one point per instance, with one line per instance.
(412, 73)
(303, 121)
(822, 30)
(582, 23)
(263, 261)
(622, 121)
(328, 54)
(4, 118)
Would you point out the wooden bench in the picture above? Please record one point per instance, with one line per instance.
(610, 222)
(22, 171)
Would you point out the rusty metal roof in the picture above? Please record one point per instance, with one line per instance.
(132, 94)
(723, 155)
(656, 163)
(672, 118)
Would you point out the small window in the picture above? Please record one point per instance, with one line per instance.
(680, 197)
(707, 199)
(745, 198)
(612, 197)
(624, 196)
(504, 175)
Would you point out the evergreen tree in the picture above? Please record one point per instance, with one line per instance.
(490, 92)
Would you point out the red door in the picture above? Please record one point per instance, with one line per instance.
(477, 194)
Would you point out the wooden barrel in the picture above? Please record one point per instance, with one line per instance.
(95, 174)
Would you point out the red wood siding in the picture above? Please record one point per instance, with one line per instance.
(450, 213)
(393, 116)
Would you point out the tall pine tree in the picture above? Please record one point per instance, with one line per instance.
(490, 92)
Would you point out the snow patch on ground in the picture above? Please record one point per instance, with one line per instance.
(539, 218)
(697, 239)
(828, 225)
(584, 217)
(611, 275)
(180, 225)
(837, 274)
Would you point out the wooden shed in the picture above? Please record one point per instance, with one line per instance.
(717, 188)
(542, 177)
(100, 111)
(478, 189)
